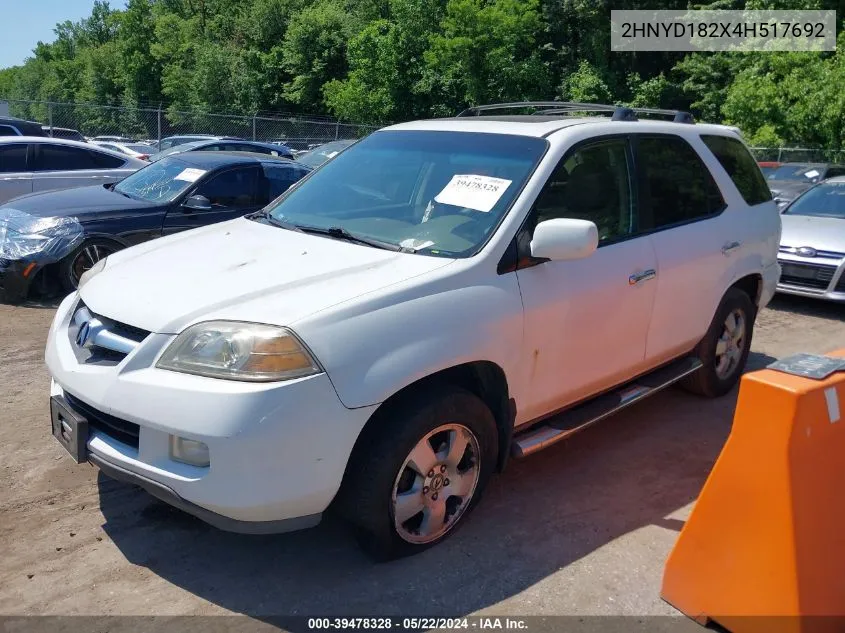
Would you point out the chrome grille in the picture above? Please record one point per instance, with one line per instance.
(99, 340)
(793, 250)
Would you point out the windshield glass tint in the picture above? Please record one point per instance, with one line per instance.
(159, 182)
(799, 173)
(442, 193)
(826, 200)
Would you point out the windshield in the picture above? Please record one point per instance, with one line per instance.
(159, 182)
(827, 200)
(796, 173)
(141, 149)
(443, 193)
(177, 149)
(317, 157)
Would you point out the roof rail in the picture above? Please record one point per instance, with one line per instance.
(548, 108)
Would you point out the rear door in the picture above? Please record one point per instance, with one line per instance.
(683, 209)
(64, 166)
(232, 193)
(15, 178)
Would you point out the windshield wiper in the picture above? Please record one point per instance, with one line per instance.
(339, 233)
(263, 214)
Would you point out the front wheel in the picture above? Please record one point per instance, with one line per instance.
(724, 349)
(416, 475)
(72, 267)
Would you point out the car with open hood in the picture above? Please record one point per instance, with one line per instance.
(436, 298)
(51, 239)
(812, 247)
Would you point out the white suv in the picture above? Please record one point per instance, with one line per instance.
(438, 297)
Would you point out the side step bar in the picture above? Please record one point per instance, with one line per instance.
(566, 423)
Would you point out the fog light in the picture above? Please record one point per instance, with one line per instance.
(188, 451)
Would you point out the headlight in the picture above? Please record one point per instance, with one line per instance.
(96, 269)
(239, 351)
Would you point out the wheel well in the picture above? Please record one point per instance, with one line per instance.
(750, 285)
(483, 378)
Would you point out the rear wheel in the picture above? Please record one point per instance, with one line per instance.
(724, 349)
(72, 267)
(416, 475)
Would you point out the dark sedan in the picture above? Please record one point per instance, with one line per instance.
(226, 145)
(789, 180)
(54, 237)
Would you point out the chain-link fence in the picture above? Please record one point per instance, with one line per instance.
(798, 155)
(298, 132)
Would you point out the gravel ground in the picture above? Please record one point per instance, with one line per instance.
(582, 528)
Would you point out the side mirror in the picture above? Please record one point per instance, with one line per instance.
(564, 239)
(197, 203)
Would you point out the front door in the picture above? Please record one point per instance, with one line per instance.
(232, 193)
(586, 321)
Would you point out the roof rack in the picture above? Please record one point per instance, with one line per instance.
(547, 108)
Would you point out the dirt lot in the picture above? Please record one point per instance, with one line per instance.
(582, 528)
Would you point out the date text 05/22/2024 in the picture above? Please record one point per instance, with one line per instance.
(417, 624)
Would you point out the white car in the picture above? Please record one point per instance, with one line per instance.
(440, 296)
(141, 151)
(30, 164)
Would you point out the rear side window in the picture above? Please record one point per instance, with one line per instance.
(106, 161)
(740, 165)
(279, 180)
(675, 184)
(12, 158)
(8, 130)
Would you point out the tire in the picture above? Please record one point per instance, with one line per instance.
(383, 476)
(716, 377)
(81, 259)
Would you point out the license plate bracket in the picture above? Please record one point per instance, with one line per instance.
(69, 428)
(800, 272)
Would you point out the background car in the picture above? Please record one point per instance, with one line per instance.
(30, 164)
(790, 179)
(114, 139)
(812, 245)
(66, 232)
(768, 166)
(140, 151)
(226, 145)
(173, 141)
(321, 154)
(64, 132)
(10, 126)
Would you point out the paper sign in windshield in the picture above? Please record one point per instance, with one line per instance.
(190, 174)
(811, 174)
(480, 193)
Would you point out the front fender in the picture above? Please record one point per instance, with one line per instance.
(374, 346)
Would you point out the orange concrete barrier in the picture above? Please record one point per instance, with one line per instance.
(764, 547)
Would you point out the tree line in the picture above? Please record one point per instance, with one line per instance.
(375, 61)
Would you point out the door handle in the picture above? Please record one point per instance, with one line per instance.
(730, 247)
(645, 275)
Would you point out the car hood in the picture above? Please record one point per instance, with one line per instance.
(79, 201)
(241, 270)
(823, 234)
(788, 189)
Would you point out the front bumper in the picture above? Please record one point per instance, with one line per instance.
(16, 277)
(820, 278)
(277, 451)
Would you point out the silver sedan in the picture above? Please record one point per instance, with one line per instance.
(812, 246)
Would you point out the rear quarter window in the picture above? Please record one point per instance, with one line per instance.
(741, 167)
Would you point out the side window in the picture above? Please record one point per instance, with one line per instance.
(279, 180)
(675, 184)
(741, 167)
(106, 161)
(233, 189)
(63, 158)
(8, 130)
(217, 147)
(835, 171)
(12, 158)
(591, 183)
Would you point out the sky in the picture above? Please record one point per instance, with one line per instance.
(28, 21)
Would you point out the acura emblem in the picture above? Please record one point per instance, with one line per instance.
(82, 334)
(806, 251)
